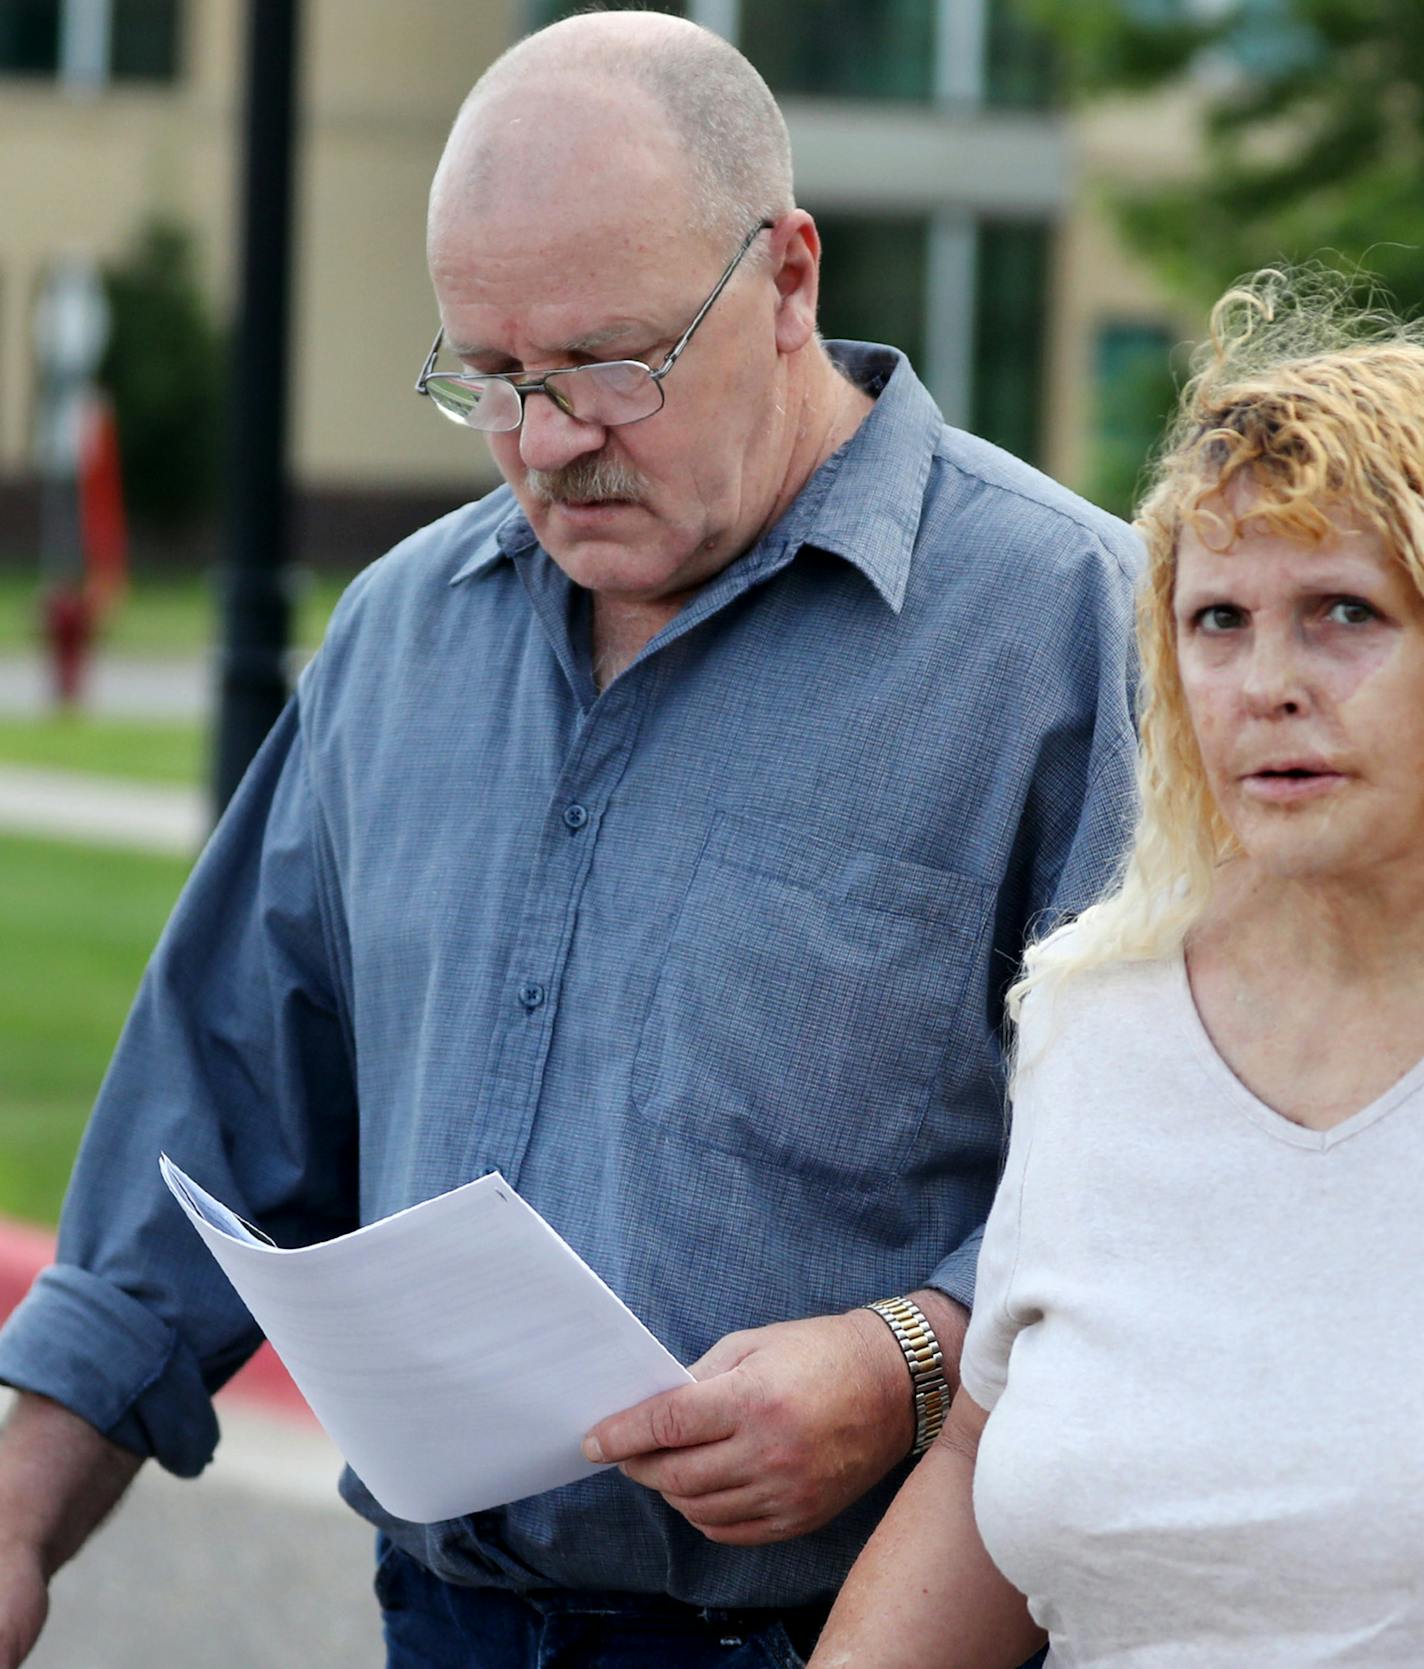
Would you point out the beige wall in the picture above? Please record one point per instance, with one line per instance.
(380, 83)
(379, 86)
(80, 174)
(1098, 280)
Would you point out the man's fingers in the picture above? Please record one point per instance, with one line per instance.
(692, 1414)
(707, 1469)
(729, 1352)
(24, 1602)
(722, 1508)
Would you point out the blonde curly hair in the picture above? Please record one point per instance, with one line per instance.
(1308, 406)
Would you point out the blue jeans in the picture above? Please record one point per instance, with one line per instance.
(430, 1624)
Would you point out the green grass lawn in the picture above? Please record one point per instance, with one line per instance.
(147, 750)
(164, 614)
(76, 924)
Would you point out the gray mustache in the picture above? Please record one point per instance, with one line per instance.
(585, 481)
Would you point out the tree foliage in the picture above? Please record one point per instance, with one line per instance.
(1313, 125)
(165, 369)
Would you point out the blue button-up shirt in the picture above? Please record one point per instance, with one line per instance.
(710, 965)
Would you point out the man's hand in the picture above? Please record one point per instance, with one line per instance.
(24, 1602)
(785, 1427)
(58, 1478)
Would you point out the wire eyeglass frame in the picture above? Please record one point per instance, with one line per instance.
(523, 388)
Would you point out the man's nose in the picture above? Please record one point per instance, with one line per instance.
(1277, 676)
(550, 438)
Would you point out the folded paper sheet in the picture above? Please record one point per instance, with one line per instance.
(456, 1352)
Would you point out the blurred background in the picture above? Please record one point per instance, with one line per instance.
(1036, 199)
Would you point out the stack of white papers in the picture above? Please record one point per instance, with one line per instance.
(456, 1352)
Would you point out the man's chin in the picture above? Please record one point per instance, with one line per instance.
(616, 569)
(619, 549)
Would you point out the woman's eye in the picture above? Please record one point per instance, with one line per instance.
(1350, 611)
(1218, 617)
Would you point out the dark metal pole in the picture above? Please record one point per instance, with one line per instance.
(256, 579)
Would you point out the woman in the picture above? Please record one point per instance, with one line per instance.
(1200, 1317)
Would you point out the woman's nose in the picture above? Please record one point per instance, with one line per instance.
(1276, 678)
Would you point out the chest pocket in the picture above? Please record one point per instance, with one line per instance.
(806, 1000)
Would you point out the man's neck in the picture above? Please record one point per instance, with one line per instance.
(619, 630)
(830, 409)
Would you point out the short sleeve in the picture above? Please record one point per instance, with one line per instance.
(993, 1326)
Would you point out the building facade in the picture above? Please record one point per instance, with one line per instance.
(955, 196)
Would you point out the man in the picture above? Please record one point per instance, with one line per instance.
(661, 830)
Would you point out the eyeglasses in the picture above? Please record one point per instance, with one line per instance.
(608, 393)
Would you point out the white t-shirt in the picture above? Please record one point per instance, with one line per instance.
(1200, 1329)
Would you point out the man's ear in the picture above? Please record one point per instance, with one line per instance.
(796, 269)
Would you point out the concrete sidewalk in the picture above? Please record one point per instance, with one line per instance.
(102, 811)
(256, 1562)
(171, 687)
(99, 810)
(118, 686)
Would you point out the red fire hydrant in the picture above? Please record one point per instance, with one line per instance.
(68, 619)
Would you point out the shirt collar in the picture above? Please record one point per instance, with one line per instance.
(510, 536)
(863, 504)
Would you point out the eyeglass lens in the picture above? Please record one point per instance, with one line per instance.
(620, 392)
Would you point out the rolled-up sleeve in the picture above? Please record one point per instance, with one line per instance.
(236, 1059)
(955, 1276)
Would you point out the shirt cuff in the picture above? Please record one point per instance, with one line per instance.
(955, 1276)
(150, 1397)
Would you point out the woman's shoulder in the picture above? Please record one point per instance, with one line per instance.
(1070, 1000)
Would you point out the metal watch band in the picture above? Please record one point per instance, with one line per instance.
(928, 1387)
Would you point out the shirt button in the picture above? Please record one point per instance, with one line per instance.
(575, 816)
(531, 995)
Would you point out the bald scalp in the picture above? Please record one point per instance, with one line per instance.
(714, 106)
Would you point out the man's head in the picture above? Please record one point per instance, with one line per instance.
(598, 180)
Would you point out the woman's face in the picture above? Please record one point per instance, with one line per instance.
(1303, 670)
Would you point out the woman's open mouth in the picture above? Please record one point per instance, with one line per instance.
(1292, 781)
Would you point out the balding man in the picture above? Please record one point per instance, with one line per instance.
(662, 831)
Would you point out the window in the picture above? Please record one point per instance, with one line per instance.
(144, 46)
(29, 37)
(874, 49)
(873, 275)
(539, 13)
(875, 287)
(142, 38)
(1022, 72)
(1010, 330)
(888, 49)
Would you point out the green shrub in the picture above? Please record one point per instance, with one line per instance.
(165, 368)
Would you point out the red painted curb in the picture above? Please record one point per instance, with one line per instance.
(264, 1382)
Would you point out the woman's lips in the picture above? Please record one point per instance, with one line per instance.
(1289, 783)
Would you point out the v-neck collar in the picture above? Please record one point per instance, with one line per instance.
(1246, 1101)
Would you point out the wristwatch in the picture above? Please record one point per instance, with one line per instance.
(929, 1388)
